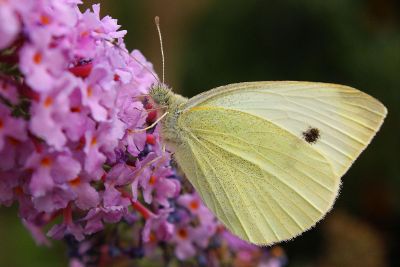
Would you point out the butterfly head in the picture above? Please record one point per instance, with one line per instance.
(161, 95)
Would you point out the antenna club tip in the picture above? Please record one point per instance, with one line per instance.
(157, 20)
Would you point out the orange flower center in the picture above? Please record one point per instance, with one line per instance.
(89, 91)
(182, 233)
(94, 141)
(45, 162)
(75, 182)
(194, 204)
(152, 180)
(48, 102)
(44, 19)
(84, 34)
(37, 58)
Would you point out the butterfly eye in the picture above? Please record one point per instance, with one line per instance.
(311, 135)
(160, 94)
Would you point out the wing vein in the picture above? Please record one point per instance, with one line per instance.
(276, 151)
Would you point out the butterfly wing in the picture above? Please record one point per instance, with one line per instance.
(347, 119)
(242, 149)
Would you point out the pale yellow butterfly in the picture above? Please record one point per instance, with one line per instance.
(267, 157)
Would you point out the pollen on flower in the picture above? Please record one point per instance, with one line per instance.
(46, 162)
(37, 58)
(75, 182)
(182, 233)
(152, 180)
(94, 141)
(48, 102)
(44, 19)
(85, 34)
(194, 204)
(89, 91)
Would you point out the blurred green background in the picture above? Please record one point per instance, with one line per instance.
(210, 43)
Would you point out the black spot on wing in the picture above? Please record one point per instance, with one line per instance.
(311, 135)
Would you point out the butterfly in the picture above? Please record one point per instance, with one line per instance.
(267, 157)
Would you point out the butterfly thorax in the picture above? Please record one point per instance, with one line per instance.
(167, 101)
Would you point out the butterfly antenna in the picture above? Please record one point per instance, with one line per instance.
(157, 21)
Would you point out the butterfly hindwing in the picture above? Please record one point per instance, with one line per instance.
(260, 180)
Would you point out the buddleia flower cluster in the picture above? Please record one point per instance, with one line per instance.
(79, 155)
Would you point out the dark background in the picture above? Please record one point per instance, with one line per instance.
(210, 43)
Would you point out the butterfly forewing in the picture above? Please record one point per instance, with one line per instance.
(346, 118)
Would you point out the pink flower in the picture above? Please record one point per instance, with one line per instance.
(9, 24)
(114, 198)
(143, 79)
(92, 92)
(94, 159)
(183, 239)
(86, 196)
(106, 27)
(238, 244)
(8, 181)
(67, 227)
(157, 182)
(49, 169)
(8, 90)
(41, 66)
(74, 142)
(14, 154)
(135, 142)
(157, 227)
(76, 263)
(55, 198)
(143, 170)
(97, 216)
(48, 115)
(37, 233)
(192, 202)
(10, 127)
